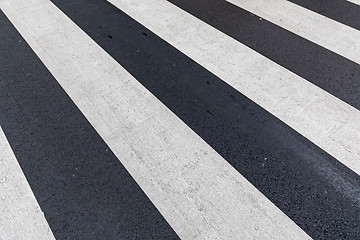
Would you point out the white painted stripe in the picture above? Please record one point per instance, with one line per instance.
(20, 213)
(317, 28)
(325, 120)
(354, 1)
(197, 191)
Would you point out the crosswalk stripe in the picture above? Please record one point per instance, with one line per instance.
(20, 214)
(258, 78)
(240, 131)
(331, 72)
(355, 1)
(80, 185)
(193, 194)
(339, 10)
(326, 32)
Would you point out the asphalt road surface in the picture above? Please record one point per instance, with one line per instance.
(179, 119)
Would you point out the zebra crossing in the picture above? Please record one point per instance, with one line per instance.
(321, 30)
(227, 59)
(163, 120)
(24, 212)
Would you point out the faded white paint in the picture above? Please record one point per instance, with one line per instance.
(325, 120)
(310, 25)
(197, 191)
(20, 215)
